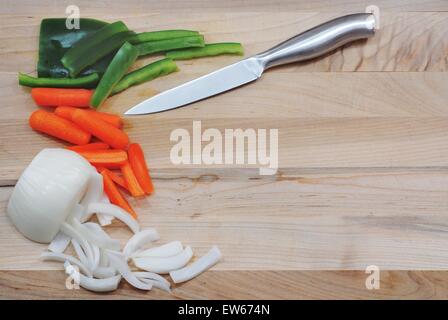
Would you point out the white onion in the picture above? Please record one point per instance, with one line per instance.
(119, 262)
(97, 285)
(156, 284)
(59, 243)
(104, 219)
(75, 235)
(115, 211)
(61, 257)
(46, 193)
(140, 239)
(152, 276)
(81, 254)
(165, 264)
(93, 193)
(104, 272)
(167, 250)
(98, 239)
(203, 263)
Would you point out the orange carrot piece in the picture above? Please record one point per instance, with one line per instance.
(104, 131)
(58, 127)
(116, 178)
(131, 181)
(90, 147)
(105, 158)
(53, 97)
(114, 194)
(113, 119)
(138, 164)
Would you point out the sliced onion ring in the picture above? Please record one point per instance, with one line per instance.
(119, 262)
(61, 257)
(115, 211)
(140, 239)
(97, 285)
(167, 250)
(166, 264)
(59, 243)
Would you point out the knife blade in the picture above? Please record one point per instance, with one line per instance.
(307, 45)
(222, 80)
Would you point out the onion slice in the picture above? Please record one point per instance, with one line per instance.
(140, 239)
(156, 284)
(104, 272)
(97, 285)
(100, 240)
(167, 250)
(119, 262)
(59, 243)
(74, 234)
(203, 263)
(61, 257)
(115, 211)
(165, 264)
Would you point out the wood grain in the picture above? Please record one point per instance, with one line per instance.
(226, 285)
(363, 176)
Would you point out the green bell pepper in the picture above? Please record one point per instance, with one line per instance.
(151, 47)
(209, 50)
(161, 35)
(92, 48)
(55, 40)
(146, 73)
(88, 81)
(121, 62)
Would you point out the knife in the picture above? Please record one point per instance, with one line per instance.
(307, 45)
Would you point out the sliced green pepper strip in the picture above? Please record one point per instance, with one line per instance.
(146, 73)
(209, 50)
(55, 40)
(88, 81)
(121, 62)
(161, 35)
(169, 44)
(93, 47)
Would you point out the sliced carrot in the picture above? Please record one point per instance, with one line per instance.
(131, 181)
(114, 194)
(53, 97)
(138, 164)
(116, 178)
(113, 119)
(105, 158)
(58, 127)
(90, 147)
(104, 131)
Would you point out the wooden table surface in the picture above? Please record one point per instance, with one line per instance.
(363, 153)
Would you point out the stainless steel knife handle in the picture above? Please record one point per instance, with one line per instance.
(320, 40)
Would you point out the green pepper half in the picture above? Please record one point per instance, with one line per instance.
(209, 50)
(92, 48)
(146, 73)
(55, 40)
(121, 62)
(88, 81)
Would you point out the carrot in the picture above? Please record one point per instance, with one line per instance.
(89, 147)
(105, 158)
(114, 194)
(104, 131)
(115, 178)
(53, 97)
(113, 119)
(138, 164)
(131, 181)
(58, 127)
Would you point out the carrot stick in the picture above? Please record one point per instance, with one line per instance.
(114, 194)
(53, 97)
(58, 127)
(105, 158)
(102, 130)
(131, 181)
(113, 119)
(89, 147)
(138, 164)
(116, 178)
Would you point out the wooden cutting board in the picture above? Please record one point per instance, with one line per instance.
(363, 153)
